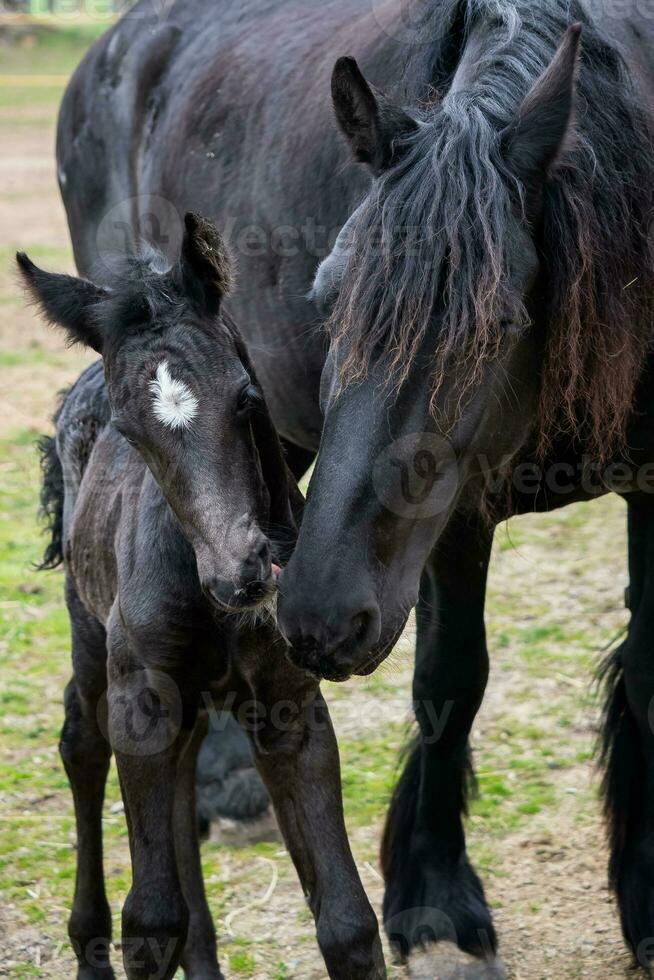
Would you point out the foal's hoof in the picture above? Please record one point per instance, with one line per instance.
(95, 973)
(635, 893)
(154, 936)
(446, 962)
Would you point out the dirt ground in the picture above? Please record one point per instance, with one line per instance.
(555, 600)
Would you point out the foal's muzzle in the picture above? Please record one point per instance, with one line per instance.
(252, 587)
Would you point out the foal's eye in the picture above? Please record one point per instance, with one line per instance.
(118, 425)
(248, 400)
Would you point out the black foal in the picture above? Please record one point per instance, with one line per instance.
(166, 475)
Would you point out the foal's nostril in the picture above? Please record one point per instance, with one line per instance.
(258, 559)
(263, 552)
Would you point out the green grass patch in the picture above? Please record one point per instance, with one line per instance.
(50, 47)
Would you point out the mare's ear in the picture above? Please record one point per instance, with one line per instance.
(537, 136)
(205, 264)
(369, 120)
(65, 301)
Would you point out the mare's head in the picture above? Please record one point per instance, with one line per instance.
(438, 298)
(183, 393)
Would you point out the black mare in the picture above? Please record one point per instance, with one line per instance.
(165, 474)
(489, 304)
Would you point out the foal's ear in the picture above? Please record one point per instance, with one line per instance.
(370, 121)
(65, 301)
(537, 136)
(205, 263)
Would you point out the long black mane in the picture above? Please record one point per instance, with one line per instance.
(435, 230)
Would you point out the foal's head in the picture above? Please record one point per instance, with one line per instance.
(182, 392)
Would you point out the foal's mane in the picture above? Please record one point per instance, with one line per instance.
(435, 227)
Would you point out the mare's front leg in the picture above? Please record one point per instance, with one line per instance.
(628, 741)
(149, 728)
(432, 891)
(296, 753)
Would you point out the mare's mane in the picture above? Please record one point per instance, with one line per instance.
(435, 232)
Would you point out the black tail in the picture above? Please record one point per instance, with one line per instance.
(621, 755)
(52, 502)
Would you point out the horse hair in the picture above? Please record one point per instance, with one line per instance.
(51, 498)
(452, 196)
(621, 757)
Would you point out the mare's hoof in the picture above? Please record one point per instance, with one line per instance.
(200, 974)
(445, 961)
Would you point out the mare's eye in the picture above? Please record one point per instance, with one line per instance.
(515, 326)
(248, 400)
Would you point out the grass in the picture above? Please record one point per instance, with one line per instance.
(49, 46)
(522, 764)
(35, 69)
(555, 599)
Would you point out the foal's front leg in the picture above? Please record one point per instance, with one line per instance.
(199, 959)
(297, 756)
(86, 754)
(146, 727)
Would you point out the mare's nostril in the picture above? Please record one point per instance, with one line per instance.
(359, 628)
(257, 566)
(255, 590)
(259, 556)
